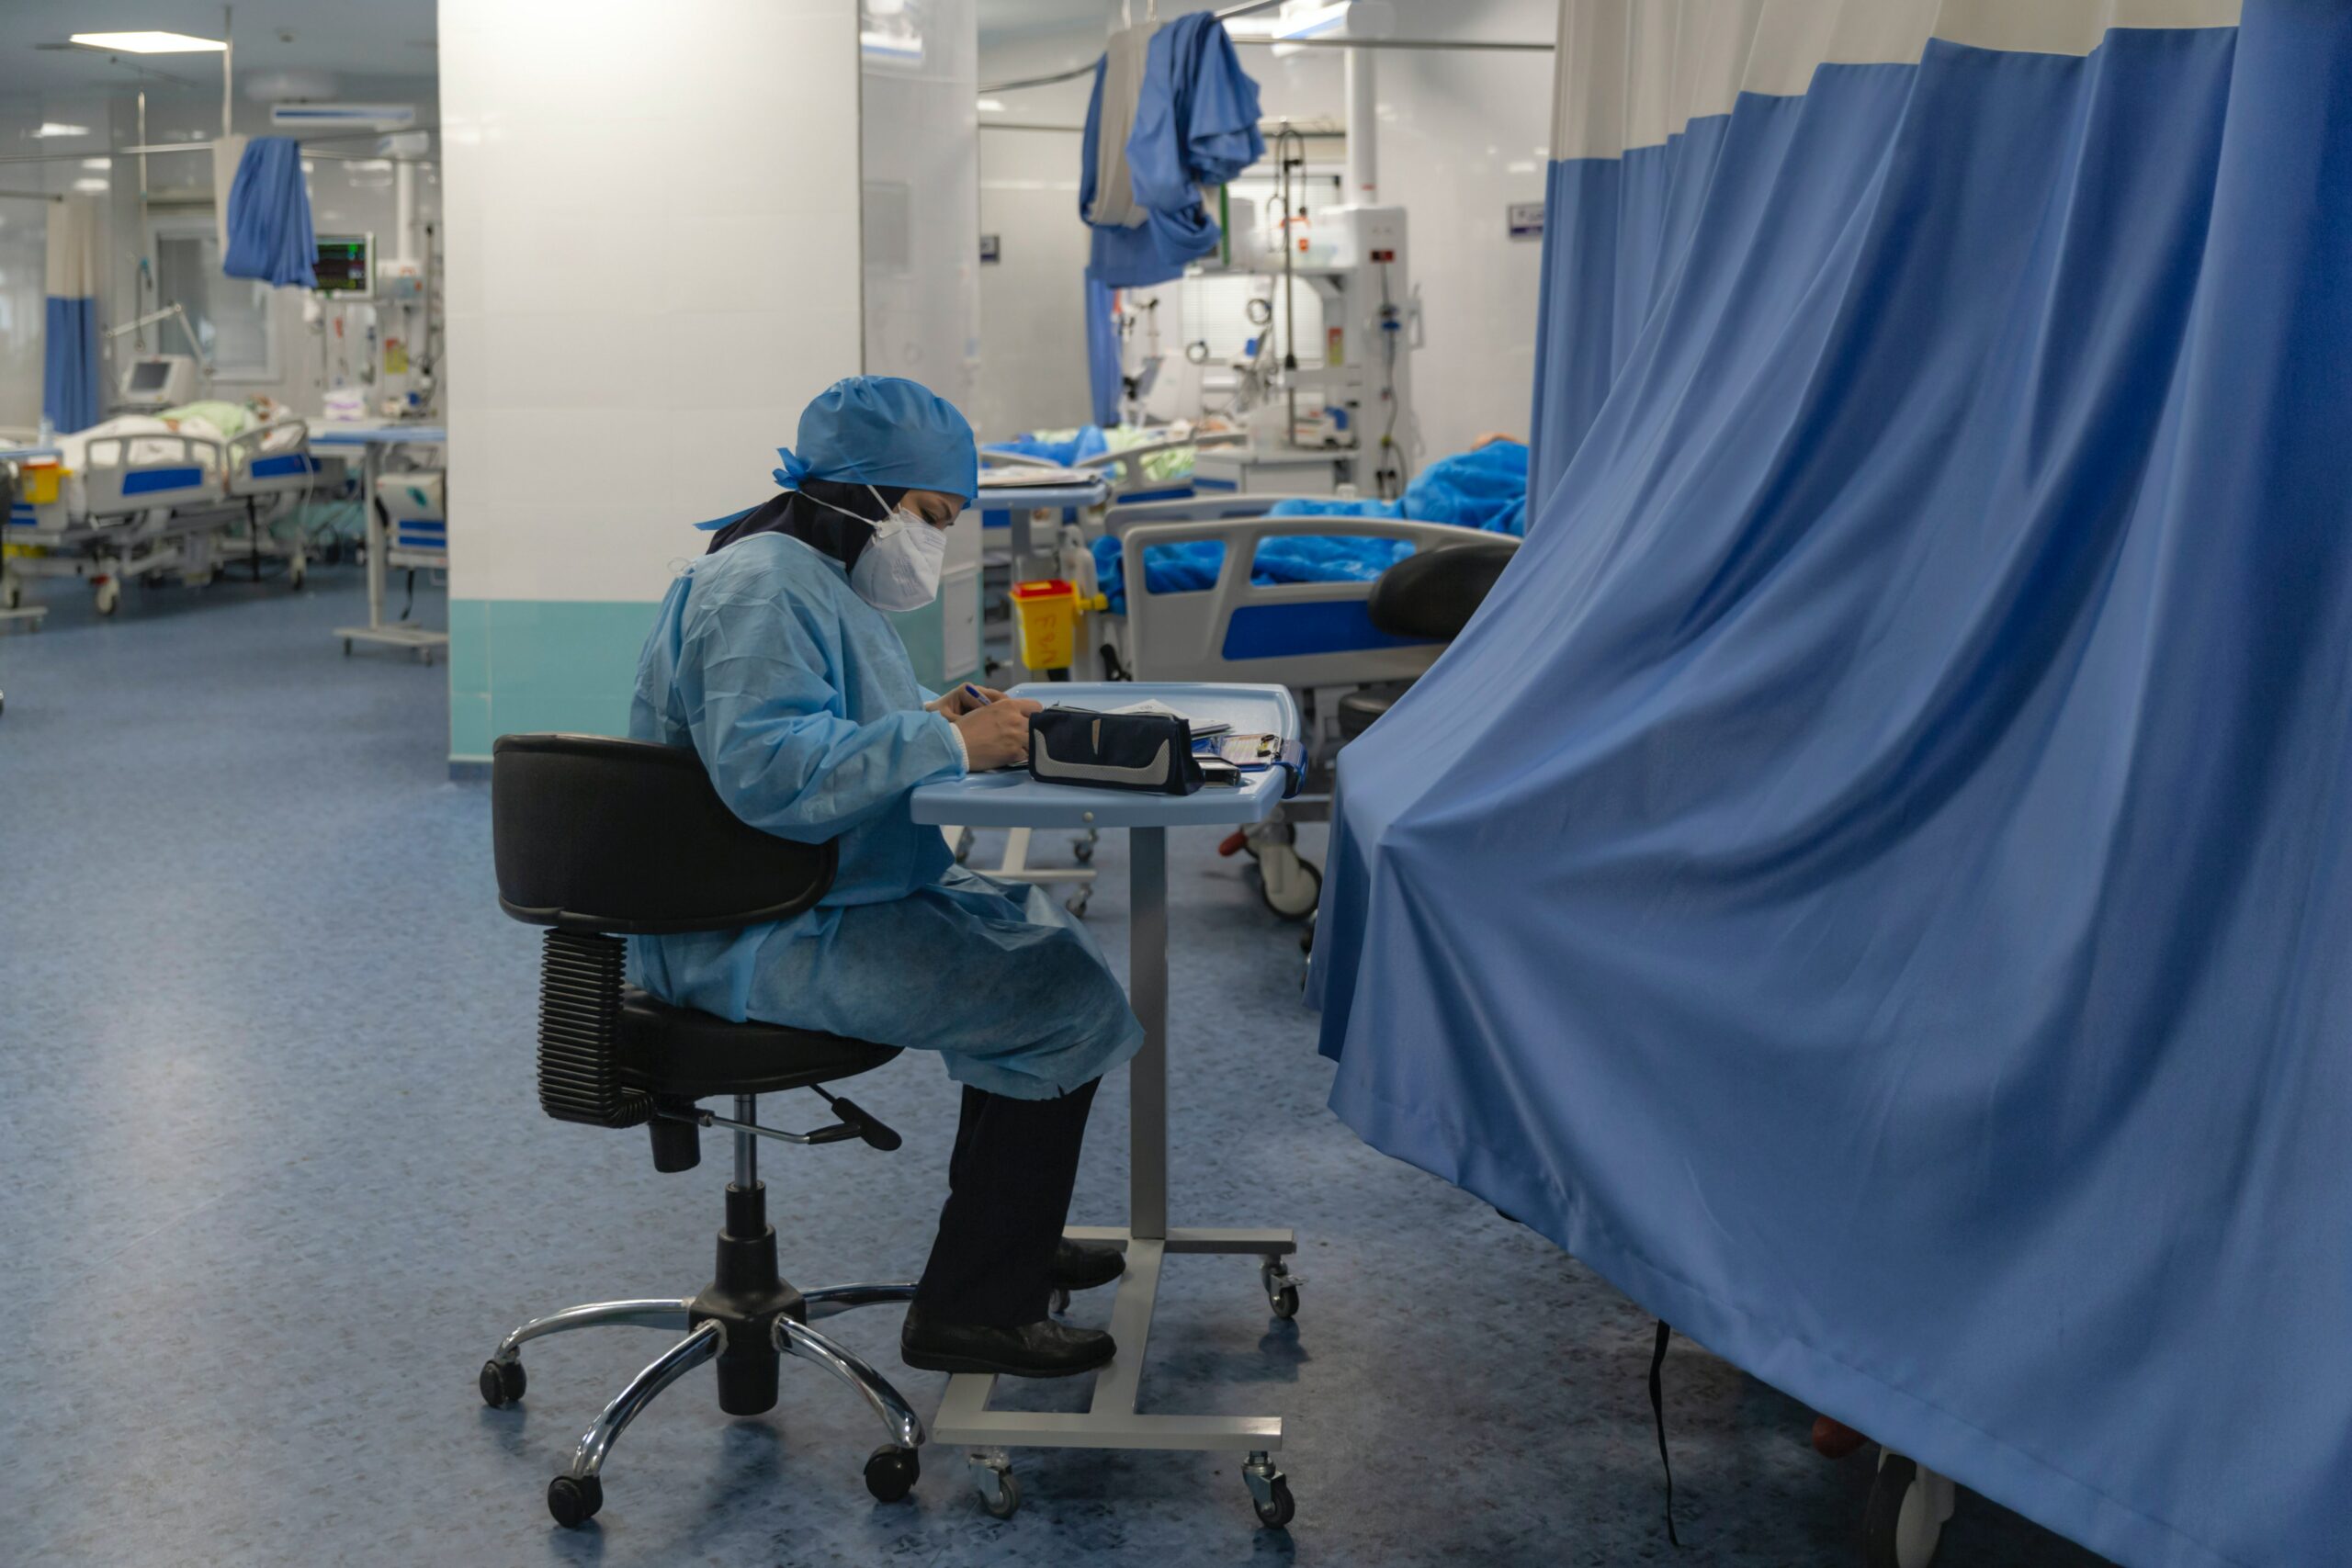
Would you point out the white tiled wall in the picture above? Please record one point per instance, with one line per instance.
(652, 265)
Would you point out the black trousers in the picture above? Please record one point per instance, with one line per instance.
(1009, 1188)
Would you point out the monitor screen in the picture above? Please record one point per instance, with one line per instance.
(342, 264)
(151, 374)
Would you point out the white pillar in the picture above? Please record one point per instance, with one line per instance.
(1363, 127)
(694, 166)
(404, 210)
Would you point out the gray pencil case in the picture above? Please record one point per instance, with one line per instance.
(1145, 751)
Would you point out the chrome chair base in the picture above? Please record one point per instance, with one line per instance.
(578, 1493)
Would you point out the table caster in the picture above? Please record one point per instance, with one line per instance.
(1084, 849)
(1268, 1492)
(1076, 904)
(1000, 1489)
(1282, 1287)
(891, 1472)
(1289, 884)
(108, 596)
(1903, 1523)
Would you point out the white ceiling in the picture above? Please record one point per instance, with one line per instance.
(370, 39)
(358, 37)
(1005, 21)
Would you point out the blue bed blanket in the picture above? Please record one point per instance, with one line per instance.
(1486, 489)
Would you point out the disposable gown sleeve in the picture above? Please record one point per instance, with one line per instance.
(769, 727)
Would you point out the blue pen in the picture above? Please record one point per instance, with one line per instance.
(977, 695)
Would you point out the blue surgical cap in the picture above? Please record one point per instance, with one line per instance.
(884, 430)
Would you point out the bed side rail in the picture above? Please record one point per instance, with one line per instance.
(272, 459)
(1198, 509)
(129, 474)
(1296, 634)
(1125, 469)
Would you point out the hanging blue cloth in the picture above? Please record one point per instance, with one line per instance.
(1196, 124)
(1874, 878)
(269, 216)
(73, 385)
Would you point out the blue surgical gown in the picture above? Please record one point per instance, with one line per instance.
(799, 697)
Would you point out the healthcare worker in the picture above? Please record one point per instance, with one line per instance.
(772, 658)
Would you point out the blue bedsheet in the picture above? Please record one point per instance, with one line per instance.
(1486, 489)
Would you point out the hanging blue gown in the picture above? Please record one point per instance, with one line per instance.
(799, 697)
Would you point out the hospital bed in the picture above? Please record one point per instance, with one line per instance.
(146, 500)
(1126, 472)
(1317, 639)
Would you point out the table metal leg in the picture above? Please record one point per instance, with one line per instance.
(1112, 1420)
(379, 566)
(1147, 994)
(370, 462)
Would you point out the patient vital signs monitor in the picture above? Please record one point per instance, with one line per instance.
(345, 264)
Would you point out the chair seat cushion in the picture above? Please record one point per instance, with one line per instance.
(679, 1052)
(1359, 708)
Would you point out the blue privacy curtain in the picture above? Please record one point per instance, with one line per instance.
(1875, 879)
(72, 390)
(1104, 383)
(269, 216)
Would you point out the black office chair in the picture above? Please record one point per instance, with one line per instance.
(1429, 596)
(599, 839)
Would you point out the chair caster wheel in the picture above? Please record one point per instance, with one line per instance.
(890, 1473)
(1000, 1489)
(1268, 1492)
(1083, 851)
(1061, 1299)
(574, 1499)
(1076, 905)
(501, 1383)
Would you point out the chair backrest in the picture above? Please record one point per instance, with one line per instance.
(1433, 594)
(629, 837)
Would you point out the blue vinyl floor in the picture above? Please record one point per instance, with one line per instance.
(275, 1182)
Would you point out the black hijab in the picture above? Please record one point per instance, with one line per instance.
(820, 527)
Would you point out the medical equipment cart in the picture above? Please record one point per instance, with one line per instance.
(1014, 800)
(374, 440)
(12, 594)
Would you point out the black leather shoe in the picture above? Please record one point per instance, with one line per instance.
(1047, 1349)
(1077, 1266)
